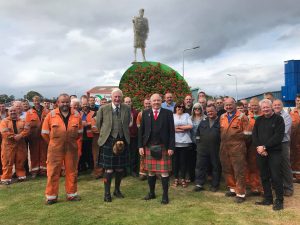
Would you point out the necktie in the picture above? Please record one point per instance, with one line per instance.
(117, 110)
(155, 114)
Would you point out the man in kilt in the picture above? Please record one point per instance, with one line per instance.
(156, 142)
(113, 122)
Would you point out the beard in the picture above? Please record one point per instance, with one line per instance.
(64, 108)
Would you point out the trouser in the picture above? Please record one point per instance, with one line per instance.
(233, 163)
(204, 158)
(38, 155)
(98, 171)
(86, 159)
(180, 162)
(192, 158)
(271, 169)
(133, 154)
(252, 171)
(295, 158)
(286, 168)
(10, 156)
(55, 160)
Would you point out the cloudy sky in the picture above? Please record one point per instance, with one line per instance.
(72, 45)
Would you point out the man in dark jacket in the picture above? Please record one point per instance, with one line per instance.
(208, 146)
(267, 136)
(156, 141)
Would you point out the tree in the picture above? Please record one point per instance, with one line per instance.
(31, 94)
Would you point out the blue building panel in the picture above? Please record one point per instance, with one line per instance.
(292, 81)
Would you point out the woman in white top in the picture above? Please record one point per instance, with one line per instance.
(183, 142)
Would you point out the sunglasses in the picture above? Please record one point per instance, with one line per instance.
(180, 106)
(197, 109)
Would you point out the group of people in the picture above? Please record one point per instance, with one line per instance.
(254, 144)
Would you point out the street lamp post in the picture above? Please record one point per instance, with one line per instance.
(236, 89)
(188, 49)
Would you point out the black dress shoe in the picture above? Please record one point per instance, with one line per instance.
(75, 198)
(118, 194)
(198, 188)
(265, 202)
(278, 205)
(107, 197)
(239, 199)
(149, 196)
(165, 200)
(230, 194)
(51, 201)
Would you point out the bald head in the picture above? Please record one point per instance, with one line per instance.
(13, 112)
(156, 101)
(229, 105)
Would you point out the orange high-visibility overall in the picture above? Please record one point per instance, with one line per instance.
(37, 145)
(252, 171)
(295, 144)
(233, 152)
(13, 152)
(62, 148)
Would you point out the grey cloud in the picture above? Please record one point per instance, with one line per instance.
(103, 49)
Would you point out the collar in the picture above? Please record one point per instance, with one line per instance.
(158, 110)
(114, 106)
(172, 104)
(233, 114)
(41, 108)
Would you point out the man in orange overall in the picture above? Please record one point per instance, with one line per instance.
(295, 141)
(233, 150)
(252, 172)
(61, 129)
(3, 114)
(14, 152)
(37, 145)
(98, 171)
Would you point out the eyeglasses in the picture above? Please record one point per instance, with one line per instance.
(180, 106)
(197, 109)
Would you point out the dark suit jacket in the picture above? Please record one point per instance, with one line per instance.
(104, 122)
(167, 129)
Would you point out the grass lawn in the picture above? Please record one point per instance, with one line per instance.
(23, 203)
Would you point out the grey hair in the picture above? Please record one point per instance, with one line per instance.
(12, 107)
(265, 101)
(115, 90)
(155, 94)
(74, 101)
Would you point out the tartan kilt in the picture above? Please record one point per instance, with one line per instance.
(163, 165)
(108, 160)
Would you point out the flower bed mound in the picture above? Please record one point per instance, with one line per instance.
(143, 79)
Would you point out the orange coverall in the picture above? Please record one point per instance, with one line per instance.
(295, 144)
(13, 152)
(252, 171)
(62, 148)
(98, 171)
(233, 152)
(37, 145)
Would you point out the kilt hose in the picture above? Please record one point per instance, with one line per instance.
(163, 165)
(108, 160)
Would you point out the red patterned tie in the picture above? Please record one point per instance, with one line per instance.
(155, 114)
